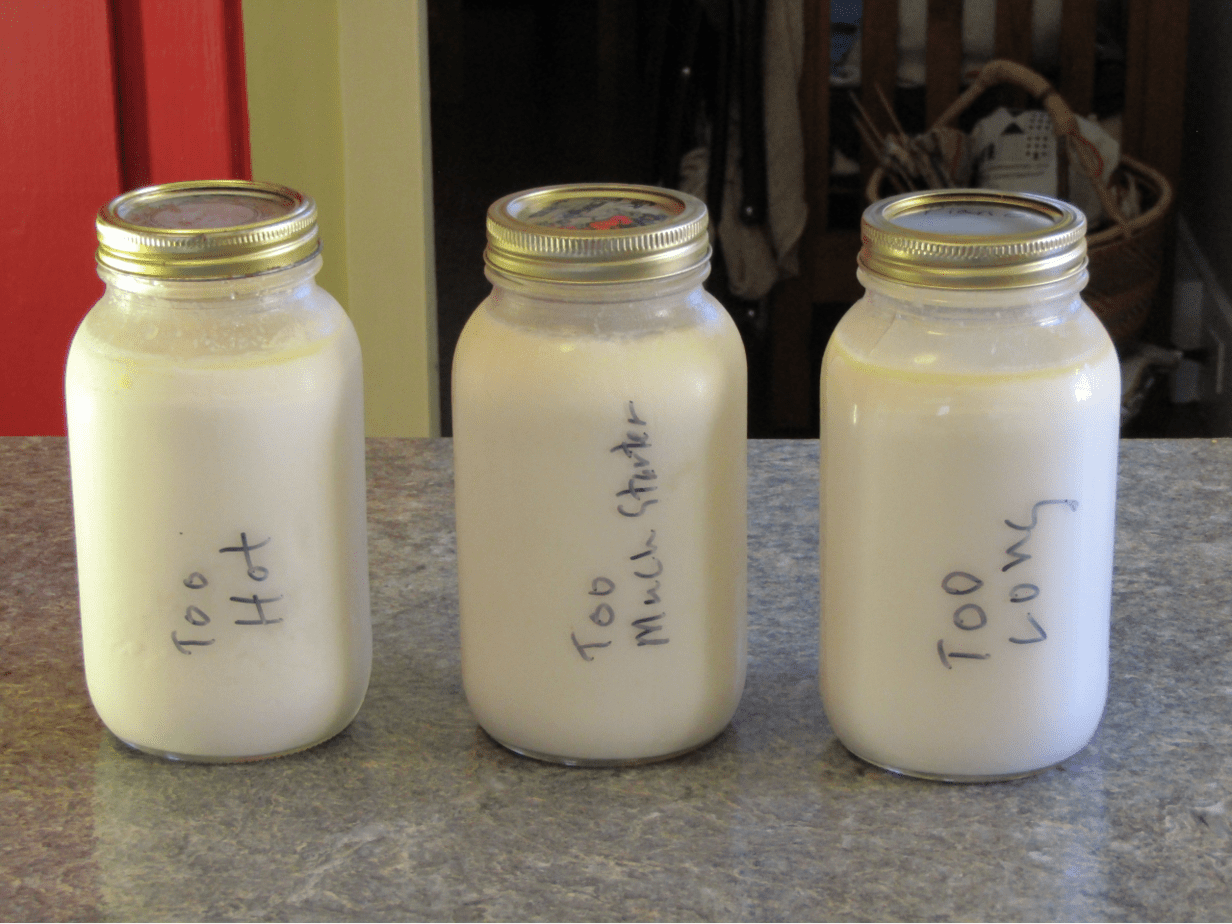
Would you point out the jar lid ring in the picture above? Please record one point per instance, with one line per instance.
(973, 239)
(597, 233)
(211, 229)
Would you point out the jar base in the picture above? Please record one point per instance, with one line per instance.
(600, 761)
(242, 759)
(954, 777)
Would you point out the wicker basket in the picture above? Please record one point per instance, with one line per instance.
(1126, 258)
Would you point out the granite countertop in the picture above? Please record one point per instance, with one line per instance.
(413, 813)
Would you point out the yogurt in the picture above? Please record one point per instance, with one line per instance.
(600, 484)
(221, 539)
(967, 522)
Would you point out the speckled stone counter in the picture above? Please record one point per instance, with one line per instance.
(412, 813)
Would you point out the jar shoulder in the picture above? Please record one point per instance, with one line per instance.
(993, 340)
(553, 323)
(496, 360)
(144, 327)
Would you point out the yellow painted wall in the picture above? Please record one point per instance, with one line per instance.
(338, 108)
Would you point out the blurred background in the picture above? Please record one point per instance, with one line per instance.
(405, 119)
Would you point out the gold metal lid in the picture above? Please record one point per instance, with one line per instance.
(595, 233)
(211, 229)
(973, 239)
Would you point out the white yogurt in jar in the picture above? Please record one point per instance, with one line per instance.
(603, 612)
(967, 526)
(970, 409)
(221, 540)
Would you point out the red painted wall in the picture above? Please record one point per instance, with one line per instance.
(96, 97)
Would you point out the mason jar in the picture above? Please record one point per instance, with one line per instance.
(969, 429)
(599, 421)
(215, 424)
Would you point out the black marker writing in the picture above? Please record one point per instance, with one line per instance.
(636, 491)
(971, 617)
(582, 649)
(259, 603)
(196, 616)
(646, 625)
(603, 615)
(961, 583)
(256, 572)
(633, 498)
(637, 486)
(1038, 628)
(1022, 593)
(658, 569)
(945, 656)
(1013, 551)
(635, 511)
(193, 615)
(183, 645)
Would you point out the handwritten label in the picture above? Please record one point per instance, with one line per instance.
(262, 612)
(971, 614)
(635, 496)
(643, 569)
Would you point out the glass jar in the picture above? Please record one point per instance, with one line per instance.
(599, 420)
(215, 423)
(970, 416)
